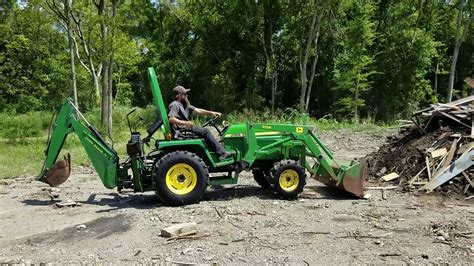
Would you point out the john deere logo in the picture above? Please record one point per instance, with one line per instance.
(299, 130)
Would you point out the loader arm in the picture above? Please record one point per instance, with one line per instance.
(349, 176)
(103, 157)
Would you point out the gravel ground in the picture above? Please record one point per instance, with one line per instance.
(236, 224)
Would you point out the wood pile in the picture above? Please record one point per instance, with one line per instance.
(436, 152)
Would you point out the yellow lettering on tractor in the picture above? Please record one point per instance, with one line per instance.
(267, 127)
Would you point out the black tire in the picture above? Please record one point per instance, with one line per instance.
(260, 176)
(180, 168)
(293, 179)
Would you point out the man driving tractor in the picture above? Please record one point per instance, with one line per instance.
(178, 114)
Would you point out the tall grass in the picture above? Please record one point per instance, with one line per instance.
(23, 137)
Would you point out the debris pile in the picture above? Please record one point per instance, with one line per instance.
(434, 152)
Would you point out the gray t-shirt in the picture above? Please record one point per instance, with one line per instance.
(176, 109)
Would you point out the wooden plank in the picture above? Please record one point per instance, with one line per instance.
(468, 179)
(178, 229)
(416, 176)
(379, 188)
(448, 106)
(438, 153)
(457, 167)
(469, 82)
(450, 156)
(427, 161)
(465, 147)
(455, 119)
(462, 100)
(465, 111)
(439, 166)
(390, 176)
(472, 121)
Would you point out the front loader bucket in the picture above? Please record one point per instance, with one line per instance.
(59, 172)
(350, 178)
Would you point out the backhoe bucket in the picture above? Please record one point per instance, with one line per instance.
(59, 172)
(350, 178)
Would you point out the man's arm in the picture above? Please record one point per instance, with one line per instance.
(201, 111)
(178, 122)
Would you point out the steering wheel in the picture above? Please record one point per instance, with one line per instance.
(210, 122)
(213, 122)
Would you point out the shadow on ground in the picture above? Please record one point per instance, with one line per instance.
(118, 201)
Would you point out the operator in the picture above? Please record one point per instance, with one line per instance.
(178, 114)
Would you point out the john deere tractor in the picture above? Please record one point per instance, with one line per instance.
(179, 166)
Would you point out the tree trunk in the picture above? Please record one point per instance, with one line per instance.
(436, 78)
(313, 36)
(304, 61)
(67, 11)
(315, 62)
(271, 73)
(356, 98)
(457, 45)
(472, 55)
(105, 49)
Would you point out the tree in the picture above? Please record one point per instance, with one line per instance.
(63, 10)
(308, 46)
(353, 62)
(460, 33)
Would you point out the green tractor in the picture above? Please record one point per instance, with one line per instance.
(179, 167)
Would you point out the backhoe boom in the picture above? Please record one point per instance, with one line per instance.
(103, 157)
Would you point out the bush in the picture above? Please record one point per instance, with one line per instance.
(21, 127)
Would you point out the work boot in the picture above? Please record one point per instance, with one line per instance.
(224, 156)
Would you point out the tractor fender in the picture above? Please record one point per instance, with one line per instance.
(196, 146)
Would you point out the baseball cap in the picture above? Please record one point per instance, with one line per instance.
(180, 89)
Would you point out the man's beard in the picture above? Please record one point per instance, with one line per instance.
(185, 102)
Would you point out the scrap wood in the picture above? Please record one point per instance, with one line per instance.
(357, 235)
(416, 176)
(449, 172)
(455, 119)
(379, 188)
(468, 179)
(178, 229)
(190, 235)
(427, 161)
(451, 152)
(390, 254)
(316, 233)
(67, 203)
(469, 81)
(390, 176)
(438, 153)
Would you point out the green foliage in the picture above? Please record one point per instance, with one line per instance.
(377, 59)
(353, 62)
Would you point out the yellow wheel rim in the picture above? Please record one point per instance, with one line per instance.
(181, 179)
(289, 180)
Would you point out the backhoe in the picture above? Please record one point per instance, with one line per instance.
(179, 167)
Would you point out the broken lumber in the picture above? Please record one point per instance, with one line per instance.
(178, 229)
(390, 176)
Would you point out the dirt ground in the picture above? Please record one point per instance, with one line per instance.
(238, 224)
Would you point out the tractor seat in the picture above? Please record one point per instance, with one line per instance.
(184, 134)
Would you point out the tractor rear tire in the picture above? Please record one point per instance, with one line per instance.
(288, 178)
(260, 176)
(180, 178)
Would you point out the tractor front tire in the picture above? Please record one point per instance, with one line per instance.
(288, 178)
(260, 176)
(180, 178)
